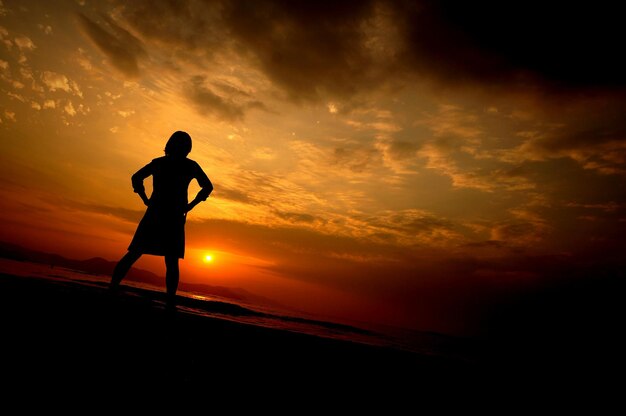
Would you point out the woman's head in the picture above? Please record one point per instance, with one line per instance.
(179, 144)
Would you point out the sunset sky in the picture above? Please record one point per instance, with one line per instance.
(411, 163)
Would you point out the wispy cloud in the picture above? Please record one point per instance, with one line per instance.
(476, 177)
(408, 227)
(125, 214)
(525, 228)
(122, 48)
(231, 107)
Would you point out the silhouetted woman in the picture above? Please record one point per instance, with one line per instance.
(161, 231)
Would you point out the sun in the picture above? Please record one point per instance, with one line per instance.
(208, 258)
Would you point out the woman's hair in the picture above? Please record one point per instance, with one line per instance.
(179, 144)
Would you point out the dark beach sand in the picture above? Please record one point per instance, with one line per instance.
(74, 340)
(79, 337)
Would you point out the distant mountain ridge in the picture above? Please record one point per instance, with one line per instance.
(101, 266)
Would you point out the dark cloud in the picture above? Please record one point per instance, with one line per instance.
(129, 215)
(224, 192)
(530, 45)
(192, 24)
(411, 224)
(231, 90)
(356, 158)
(402, 149)
(518, 232)
(297, 217)
(496, 244)
(206, 101)
(310, 49)
(607, 207)
(343, 48)
(229, 108)
(120, 46)
(592, 133)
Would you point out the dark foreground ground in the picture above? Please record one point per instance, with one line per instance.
(76, 338)
(65, 334)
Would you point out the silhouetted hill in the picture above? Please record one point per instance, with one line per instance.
(96, 265)
(100, 266)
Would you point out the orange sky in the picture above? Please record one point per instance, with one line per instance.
(383, 161)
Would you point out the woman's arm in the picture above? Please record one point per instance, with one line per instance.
(205, 184)
(137, 181)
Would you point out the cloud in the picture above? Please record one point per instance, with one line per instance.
(125, 114)
(69, 109)
(191, 24)
(390, 147)
(127, 215)
(206, 101)
(28, 75)
(308, 50)
(451, 122)
(315, 50)
(516, 233)
(260, 194)
(55, 81)
(485, 42)
(525, 228)
(608, 207)
(24, 43)
(10, 115)
(295, 217)
(264, 153)
(399, 149)
(47, 29)
(356, 158)
(460, 144)
(16, 96)
(122, 48)
(224, 192)
(480, 178)
(341, 53)
(409, 227)
(595, 139)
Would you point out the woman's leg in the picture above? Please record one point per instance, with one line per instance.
(171, 278)
(122, 268)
